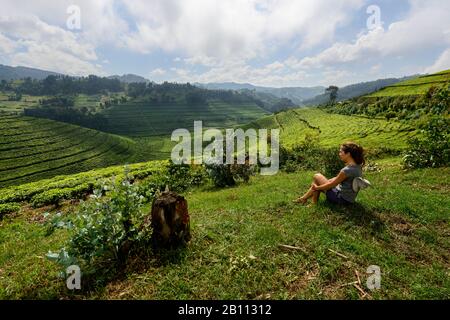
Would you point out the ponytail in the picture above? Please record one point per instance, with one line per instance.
(356, 151)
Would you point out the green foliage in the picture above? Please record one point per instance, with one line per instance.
(75, 186)
(435, 100)
(177, 178)
(309, 155)
(333, 90)
(54, 196)
(15, 97)
(105, 229)
(6, 208)
(433, 150)
(53, 85)
(58, 101)
(227, 175)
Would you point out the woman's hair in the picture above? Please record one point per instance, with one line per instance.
(356, 151)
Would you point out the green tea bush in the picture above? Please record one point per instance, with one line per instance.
(6, 208)
(227, 175)
(308, 155)
(431, 150)
(177, 178)
(55, 196)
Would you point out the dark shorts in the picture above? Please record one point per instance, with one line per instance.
(334, 196)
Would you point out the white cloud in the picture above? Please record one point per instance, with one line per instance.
(157, 72)
(274, 74)
(6, 44)
(234, 28)
(40, 45)
(100, 20)
(45, 57)
(424, 27)
(442, 63)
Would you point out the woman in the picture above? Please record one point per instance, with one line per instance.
(338, 190)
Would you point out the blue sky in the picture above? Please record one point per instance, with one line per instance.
(263, 42)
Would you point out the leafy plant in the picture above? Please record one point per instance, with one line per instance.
(433, 149)
(227, 175)
(308, 155)
(6, 208)
(105, 229)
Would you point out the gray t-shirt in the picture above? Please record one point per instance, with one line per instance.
(346, 186)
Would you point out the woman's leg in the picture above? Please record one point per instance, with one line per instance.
(318, 179)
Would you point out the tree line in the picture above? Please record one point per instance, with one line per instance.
(53, 85)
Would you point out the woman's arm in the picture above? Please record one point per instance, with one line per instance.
(331, 183)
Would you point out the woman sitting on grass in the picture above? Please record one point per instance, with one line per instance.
(338, 190)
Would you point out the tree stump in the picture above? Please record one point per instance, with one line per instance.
(170, 221)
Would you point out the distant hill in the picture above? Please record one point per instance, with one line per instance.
(412, 99)
(15, 73)
(130, 78)
(356, 90)
(296, 94)
(416, 86)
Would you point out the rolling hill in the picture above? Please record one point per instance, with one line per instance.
(355, 90)
(16, 73)
(416, 86)
(334, 129)
(407, 100)
(295, 94)
(138, 119)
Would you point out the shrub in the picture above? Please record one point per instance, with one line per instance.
(308, 155)
(177, 178)
(50, 197)
(106, 229)
(433, 149)
(227, 175)
(6, 208)
(55, 196)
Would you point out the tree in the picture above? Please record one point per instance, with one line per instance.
(333, 90)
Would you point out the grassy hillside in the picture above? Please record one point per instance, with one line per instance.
(400, 225)
(33, 149)
(417, 86)
(353, 91)
(334, 129)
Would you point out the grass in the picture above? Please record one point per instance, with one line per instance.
(401, 225)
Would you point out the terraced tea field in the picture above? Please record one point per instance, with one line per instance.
(33, 149)
(52, 190)
(142, 120)
(417, 86)
(333, 129)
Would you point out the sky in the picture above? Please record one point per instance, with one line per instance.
(277, 43)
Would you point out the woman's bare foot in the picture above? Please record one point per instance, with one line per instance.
(300, 200)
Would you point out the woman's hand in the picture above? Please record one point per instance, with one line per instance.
(315, 187)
